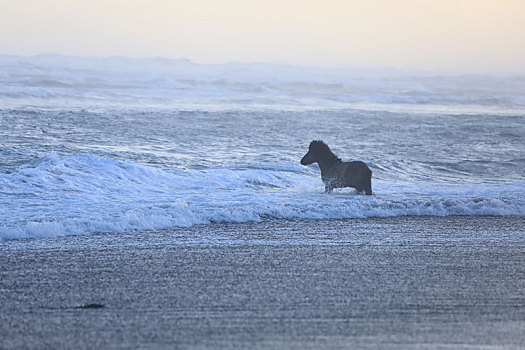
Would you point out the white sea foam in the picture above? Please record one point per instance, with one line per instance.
(58, 196)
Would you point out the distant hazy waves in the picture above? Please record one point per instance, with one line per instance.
(51, 80)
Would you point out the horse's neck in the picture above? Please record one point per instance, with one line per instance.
(325, 165)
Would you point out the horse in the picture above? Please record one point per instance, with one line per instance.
(334, 172)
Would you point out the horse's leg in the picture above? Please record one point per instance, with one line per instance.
(328, 187)
(368, 186)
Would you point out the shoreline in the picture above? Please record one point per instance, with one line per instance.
(183, 235)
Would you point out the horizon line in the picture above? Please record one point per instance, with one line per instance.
(391, 68)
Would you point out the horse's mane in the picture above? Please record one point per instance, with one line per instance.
(322, 150)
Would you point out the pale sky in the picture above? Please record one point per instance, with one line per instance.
(459, 35)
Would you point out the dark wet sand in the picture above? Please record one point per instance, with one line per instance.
(432, 283)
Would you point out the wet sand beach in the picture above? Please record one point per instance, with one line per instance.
(394, 283)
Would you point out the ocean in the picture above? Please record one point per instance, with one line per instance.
(113, 153)
(117, 145)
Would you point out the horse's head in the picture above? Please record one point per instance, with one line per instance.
(315, 152)
(308, 158)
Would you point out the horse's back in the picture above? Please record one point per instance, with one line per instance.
(357, 169)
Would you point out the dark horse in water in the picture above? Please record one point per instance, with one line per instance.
(335, 173)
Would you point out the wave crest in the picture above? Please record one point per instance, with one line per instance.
(84, 194)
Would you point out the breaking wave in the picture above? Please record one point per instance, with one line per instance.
(83, 194)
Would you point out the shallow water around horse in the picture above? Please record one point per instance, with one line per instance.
(67, 172)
